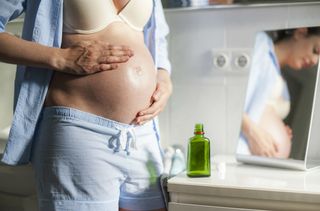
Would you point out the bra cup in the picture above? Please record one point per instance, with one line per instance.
(137, 13)
(84, 16)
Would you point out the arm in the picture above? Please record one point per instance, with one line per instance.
(260, 142)
(83, 58)
(17, 51)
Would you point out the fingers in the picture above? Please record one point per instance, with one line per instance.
(128, 53)
(271, 150)
(149, 113)
(106, 67)
(159, 98)
(96, 56)
(116, 50)
(263, 144)
(113, 59)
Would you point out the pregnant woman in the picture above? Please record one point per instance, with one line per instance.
(94, 77)
(268, 100)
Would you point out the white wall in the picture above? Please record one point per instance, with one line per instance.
(7, 75)
(203, 93)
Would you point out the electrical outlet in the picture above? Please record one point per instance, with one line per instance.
(221, 59)
(241, 59)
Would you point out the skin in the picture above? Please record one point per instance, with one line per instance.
(70, 60)
(163, 90)
(120, 4)
(159, 98)
(122, 95)
(299, 51)
(281, 134)
(260, 141)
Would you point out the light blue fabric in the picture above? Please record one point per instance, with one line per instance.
(43, 24)
(81, 163)
(262, 79)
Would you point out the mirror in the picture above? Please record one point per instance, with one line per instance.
(280, 97)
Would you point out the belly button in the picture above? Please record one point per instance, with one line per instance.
(138, 70)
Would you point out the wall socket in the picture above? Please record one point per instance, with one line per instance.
(231, 59)
(241, 59)
(221, 59)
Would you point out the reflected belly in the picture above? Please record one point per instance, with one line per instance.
(273, 124)
(117, 94)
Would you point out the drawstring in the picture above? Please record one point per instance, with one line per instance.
(125, 137)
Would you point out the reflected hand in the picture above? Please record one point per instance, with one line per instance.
(89, 57)
(159, 99)
(261, 142)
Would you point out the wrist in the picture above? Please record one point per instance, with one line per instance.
(247, 125)
(58, 60)
(163, 76)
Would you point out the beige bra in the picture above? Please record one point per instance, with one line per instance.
(276, 100)
(89, 16)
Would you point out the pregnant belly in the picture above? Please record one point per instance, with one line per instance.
(117, 94)
(273, 124)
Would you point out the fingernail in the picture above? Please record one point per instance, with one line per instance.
(141, 113)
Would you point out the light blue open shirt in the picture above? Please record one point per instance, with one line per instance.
(262, 79)
(43, 24)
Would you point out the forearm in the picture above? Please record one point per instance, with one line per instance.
(246, 125)
(18, 51)
(163, 76)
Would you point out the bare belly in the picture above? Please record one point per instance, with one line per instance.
(117, 94)
(273, 124)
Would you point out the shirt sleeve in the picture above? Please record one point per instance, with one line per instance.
(262, 78)
(9, 10)
(162, 30)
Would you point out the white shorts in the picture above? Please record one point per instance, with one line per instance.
(86, 162)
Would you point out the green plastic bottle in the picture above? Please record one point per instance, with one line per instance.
(198, 161)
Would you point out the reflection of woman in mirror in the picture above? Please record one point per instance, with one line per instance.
(268, 102)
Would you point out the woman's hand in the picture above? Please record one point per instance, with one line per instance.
(85, 57)
(260, 141)
(159, 98)
(89, 57)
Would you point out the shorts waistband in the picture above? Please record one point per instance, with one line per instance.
(73, 113)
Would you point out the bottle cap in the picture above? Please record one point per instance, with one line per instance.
(198, 129)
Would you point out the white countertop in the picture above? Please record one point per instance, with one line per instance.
(250, 186)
